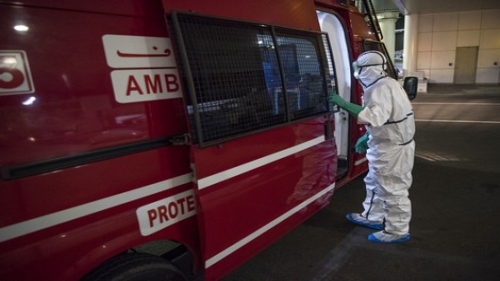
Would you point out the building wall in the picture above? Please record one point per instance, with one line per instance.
(440, 34)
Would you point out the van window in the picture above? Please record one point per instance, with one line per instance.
(244, 77)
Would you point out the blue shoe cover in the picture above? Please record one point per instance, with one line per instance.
(387, 238)
(359, 220)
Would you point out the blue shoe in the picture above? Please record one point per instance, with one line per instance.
(386, 238)
(359, 220)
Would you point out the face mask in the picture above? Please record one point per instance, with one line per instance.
(366, 75)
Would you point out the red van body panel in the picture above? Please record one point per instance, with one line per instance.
(96, 151)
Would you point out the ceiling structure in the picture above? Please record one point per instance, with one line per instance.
(435, 6)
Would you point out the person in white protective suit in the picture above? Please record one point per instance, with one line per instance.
(388, 142)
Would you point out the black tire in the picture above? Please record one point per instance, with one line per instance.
(136, 267)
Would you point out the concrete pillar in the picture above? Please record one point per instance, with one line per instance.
(387, 22)
(410, 44)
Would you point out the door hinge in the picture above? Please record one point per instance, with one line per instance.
(184, 139)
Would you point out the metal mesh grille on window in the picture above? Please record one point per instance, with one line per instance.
(304, 74)
(238, 83)
(331, 80)
(234, 70)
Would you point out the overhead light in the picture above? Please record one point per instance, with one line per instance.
(21, 28)
(29, 101)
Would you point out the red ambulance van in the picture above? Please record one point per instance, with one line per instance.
(166, 139)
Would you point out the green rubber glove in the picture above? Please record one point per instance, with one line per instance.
(362, 143)
(352, 108)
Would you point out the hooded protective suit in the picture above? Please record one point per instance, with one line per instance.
(388, 115)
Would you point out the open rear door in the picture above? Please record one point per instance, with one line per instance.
(263, 152)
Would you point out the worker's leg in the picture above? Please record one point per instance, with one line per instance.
(373, 214)
(393, 180)
(373, 204)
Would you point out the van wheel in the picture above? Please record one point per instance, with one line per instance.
(136, 267)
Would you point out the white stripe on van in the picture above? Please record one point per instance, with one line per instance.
(241, 169)
(223, 254)
(29, 226)
(39, 223)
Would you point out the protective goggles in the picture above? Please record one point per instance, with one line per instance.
(358, 68)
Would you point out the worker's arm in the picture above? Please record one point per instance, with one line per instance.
(352, 108)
